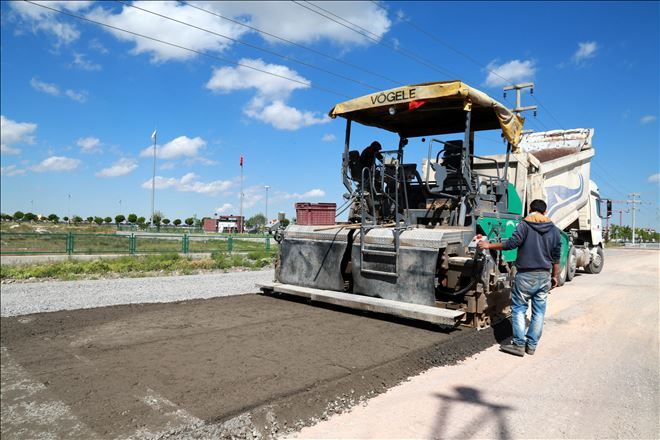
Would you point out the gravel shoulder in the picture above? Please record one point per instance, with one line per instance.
(50, 296)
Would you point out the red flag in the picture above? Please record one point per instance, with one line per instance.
(412, 105)
(241, 160)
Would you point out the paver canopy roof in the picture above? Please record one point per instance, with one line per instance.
(431, 109)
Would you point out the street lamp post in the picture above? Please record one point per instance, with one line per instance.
(267, 188)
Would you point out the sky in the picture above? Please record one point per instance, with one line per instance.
(80, 101)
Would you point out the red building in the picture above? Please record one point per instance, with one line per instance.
(224, 223)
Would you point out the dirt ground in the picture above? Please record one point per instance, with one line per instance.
(249, 366)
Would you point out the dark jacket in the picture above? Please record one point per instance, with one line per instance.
(538, 242)
(369, 156)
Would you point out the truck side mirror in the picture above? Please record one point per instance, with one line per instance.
(609, 208)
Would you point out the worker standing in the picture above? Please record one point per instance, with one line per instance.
(538, 242)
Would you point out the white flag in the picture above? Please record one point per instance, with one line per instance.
(153, 136)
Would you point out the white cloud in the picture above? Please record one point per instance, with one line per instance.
(81, 96)
(648, 119)
(328, 137)
(11, 170)
(229, 79)
(510, 72)
(190, 183)
(285, 19)
(122, 167)
(89, 144)
(252, 196)
(282, 116)
(139, 21)
(183, 146)
(167, 166)
(57, 163)
(293, 22)
(315, 193)
(80, 61)
(269, 103)
(97, 46)
(45, 87)
(585, 51)
(38, 19)
(12, 132)
(654, 178)
(54, 90)
(226, 208)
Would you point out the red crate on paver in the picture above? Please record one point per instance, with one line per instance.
(316, 214)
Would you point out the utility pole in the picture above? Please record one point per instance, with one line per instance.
(634, 201)
(153, 178)
(518, 87)
(242, 228)
(267, 188)
(68, 211)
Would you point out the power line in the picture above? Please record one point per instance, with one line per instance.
(208, 55)
(410, 55)
(423, 31)
(293, 43)
(253, 46)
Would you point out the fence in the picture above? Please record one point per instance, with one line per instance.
(24, 243)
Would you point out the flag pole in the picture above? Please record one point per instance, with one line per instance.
(241, 213)
(153, 179)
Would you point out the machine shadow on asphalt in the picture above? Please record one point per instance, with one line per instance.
(492, 413)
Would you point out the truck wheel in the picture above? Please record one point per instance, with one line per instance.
(571, 262)
(596, 264)
(561, 279)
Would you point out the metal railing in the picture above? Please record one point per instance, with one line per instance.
(29, 243)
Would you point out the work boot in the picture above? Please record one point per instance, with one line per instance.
(530, 350)
(516, 350)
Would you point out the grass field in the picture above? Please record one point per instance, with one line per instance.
(63, 242)
(137, 266)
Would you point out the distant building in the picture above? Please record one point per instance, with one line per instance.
(224, 223)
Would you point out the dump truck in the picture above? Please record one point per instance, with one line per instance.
(409, 247)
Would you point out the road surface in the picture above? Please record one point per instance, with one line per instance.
(594, 375)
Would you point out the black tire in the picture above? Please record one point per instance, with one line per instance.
(596, 264)
(571, 263)
(561, 279)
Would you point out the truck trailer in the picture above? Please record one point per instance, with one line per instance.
(409, 247)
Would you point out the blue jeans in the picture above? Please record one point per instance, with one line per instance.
(528, 286)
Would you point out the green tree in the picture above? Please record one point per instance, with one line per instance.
(108, 220)
(90, 219)
(119, 218)
(77, 219)
(53, 218)
(140, 220)
(177, 222)
(18, 216)
(98, 220)
(66, 219)
(166, 221)
(157, 218)
(256, 220)
(132, 218)
(190, 221)
(29, 217)
(285, 222)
